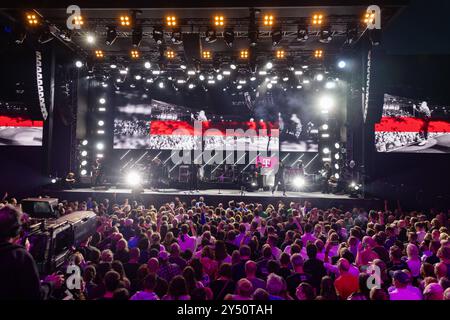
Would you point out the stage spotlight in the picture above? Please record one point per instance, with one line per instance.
(325, 35)
(337, 176)
(134, 54)
(317, 19)
(337, 156)
(84, 162)
(176, 36)
(325, 127)
(219, 77)
(206, 54)
(280, 54)
(102, 100)
(133, 179)
(243, 54)
(100, 146)
(299, 182)
(318, 54)
(138, 77)
(191, 86)
(99, 53)
(252, 78)
(78, 64)
(336, 166)
(111, 35)
(147, 65)
(326, 150)
(83, 172)
(101, 123)
(170, 54)
(228, 36)
(269, 85)
(302, 33)
(233, 66)
(125, 21)
(136, 36)
(84, 153)
(330, 85)
(158, 34)
(90, 39)
(369, 18)
(78, 21)
(239, 87)
(201, 77)
(326, 103)
(269, 20)
(219, 21)
(84, 142)
(337, 145)
(319, 77)
(269, 65)
(171, 21)
(32, 19)
(342, 64)
(161, 85)
(210, 35)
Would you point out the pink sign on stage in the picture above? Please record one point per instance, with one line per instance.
(266, 162)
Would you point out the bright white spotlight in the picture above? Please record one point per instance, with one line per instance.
(239, 87)
(201, 77)
(326, 103)
(84, 162)
(269, 65)
(78, 64)
(113, 66)
(269, 85)
(330, 85)
(84, 153)
(101, 123)
(353, 184)
(191, 86)
(253, 78)
(342, 64)
(337, 176)
(133, 179)
(83, 172)
(337, 145)
(147, 65)
(84, 142)
(219, 77)
(100, 146)
(53, 180)
(183, 67)
(90, 39)
(325, 127)
(161, 85)
(233, 66)
(319, 77)
(138, 77)
(102, 100)
(356, 187)
(337, 156)
(336, 166)
(326, 150)
(299, 182)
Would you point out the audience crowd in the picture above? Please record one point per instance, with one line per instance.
(241, 251)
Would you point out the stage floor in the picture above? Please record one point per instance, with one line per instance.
(214, 196)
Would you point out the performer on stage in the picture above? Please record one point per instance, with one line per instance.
(279, 179)
(97, 173)
(326, 175)
(425, 114)
(156, 168)
(194, 177)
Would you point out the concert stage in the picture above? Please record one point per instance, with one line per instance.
(215, 196)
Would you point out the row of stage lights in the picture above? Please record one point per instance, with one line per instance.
(218, 21)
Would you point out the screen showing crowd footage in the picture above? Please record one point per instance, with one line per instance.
(413, 126)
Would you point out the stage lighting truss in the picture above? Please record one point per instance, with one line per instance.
(176, 36)
(277, 35)
(171, 21)
(158, 34)
(125, 21)
(99, 54)
(111, 35)
(134, 54)
(325, 35)
(45, 36)
(317, 19)
(32, 19)
(136, 36)
(228, 36)
(210, 35)
(219, 21)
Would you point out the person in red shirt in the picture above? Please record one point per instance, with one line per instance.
(346, 283)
